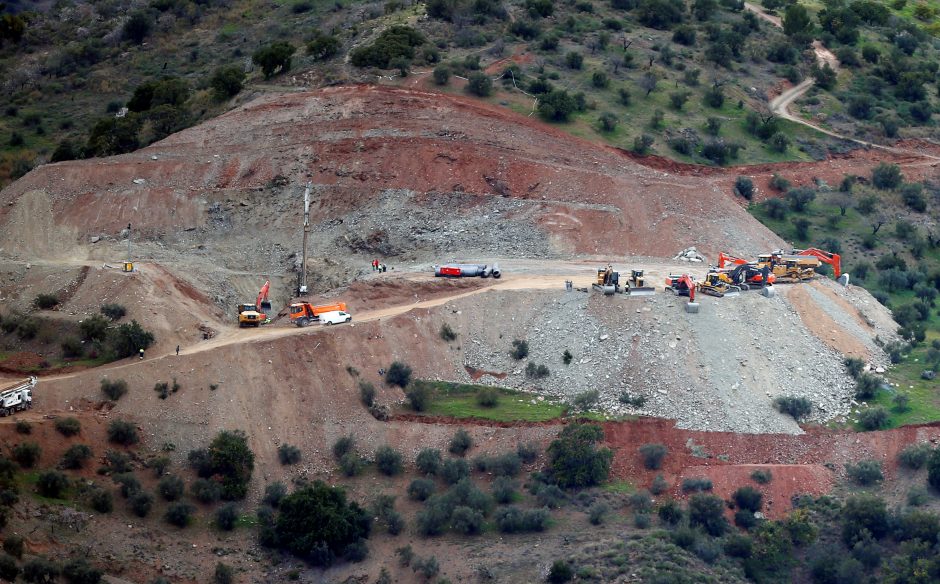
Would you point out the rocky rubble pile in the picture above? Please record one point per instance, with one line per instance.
(690, 254)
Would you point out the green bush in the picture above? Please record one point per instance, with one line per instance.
(398, 374)
(129, 484)
(454, 470)
(229, 458)
(397, 41)
(875, 418)
(536, 371)
(46, 301)
(141, 503)
(441, 74)
(274, 58)
(79, 571)
(797, 407)
(127, 339)
(52, 484)
(419, 396)
(14, 545)
(707, 512)
(515, 520)
(178, 514)
(123, 432)
(487, 397)
(117, 462)
(915, 456)
(504, 490)
(460, 443)
(388, 460)
(560, 572)
(8, 568)
(288, 454)
(466, 521)
(94, 328)
(574, 459)
(653, 455)
(748, 498)
(421, 489)
(659, 485)
(696, 484)
(854, 366)
(744, 186)
(886, 176)
(597, 513)
(26, 454)
(428, 461)
(351, 464)
(171, 487)
(273, 494)
(861, 514)
(226, 82)
(479, 84)
(226, 517)
(670, 512)
(762, 476)
(344, 445)
(865, 472)
(75, 457)
(102, 501)
(68, 426)
(866, 386)
(23, 427)
(316, 523)
(323, 46)
(113, 390)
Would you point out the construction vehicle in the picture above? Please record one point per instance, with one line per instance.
(304, 313)
(16, 396)
(467, 271)
(608, 281)
(717, 284)
(683, 285)
(790, 267)
(833, 259)
(744, 274)
(335, 317)
(256, 314)
(637, 284)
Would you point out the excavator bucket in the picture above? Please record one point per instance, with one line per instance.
(641, 291)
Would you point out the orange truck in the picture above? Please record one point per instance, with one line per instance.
(304, 313)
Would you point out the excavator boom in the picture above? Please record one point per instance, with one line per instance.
(833, 259)
(727, 258)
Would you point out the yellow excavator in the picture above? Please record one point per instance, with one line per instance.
(717, 284)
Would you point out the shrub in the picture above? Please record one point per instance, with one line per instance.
(178, 514)
(653, 455)
(428, 461)
(113, 390)
(419, 396)
(171, 487)
(574, 459)
(707, 511)
(447, 333)
(122, 432)
(865, 472)
(487, 397)
(14, 545)
(68, 426)
(659, 485)
(466, 520)
(23, 427)
(344, 445)
(864, 513)
(608, 123)
(574, 60)
(367, 393)
(75, 457)
(875, 418)
(550, 496)
(40, 570)
(273, 494)
(26, 454)
(901, 402)
(452, 471)
(141, 503)
(854, 366)
(913, 196)
(317, 523)
(226, 82)
(479, 84)
(585, 400)
(642, 143)
(504, 490)
(597, 513)
(72, 348)
(113, 311)
(915, 455)
(274, 58)
(398, 374)
(748, 498)
(460, 443)
(421, 489)
(886, 176)
(101, 501)
(534, 371)
(129, 484)
(127, 339)
(79, 571)
(528, 452)
(441, 75)
(8, 568)
(866, 386)
(797, 407)
(917, 496)
(351, 464)
(226, 517)
(288, 454)
(744, 186)
(560, 572)
(762, 476)
(388, 460)
(46, 301)
(515, 520)
(52, 484)
(520, 349)
(696, 484)
(800, 198)
(229, 458)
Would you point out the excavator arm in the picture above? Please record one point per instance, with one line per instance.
(833, 259)
(262, 303)
(727, 258)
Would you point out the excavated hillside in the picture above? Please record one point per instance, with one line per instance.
(403, 174)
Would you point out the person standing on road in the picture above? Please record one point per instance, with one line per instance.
(141, 353)
(177, 350)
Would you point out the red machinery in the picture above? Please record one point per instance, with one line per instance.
(682, 285)
(723, 258)
(833, 259)
(744, 272)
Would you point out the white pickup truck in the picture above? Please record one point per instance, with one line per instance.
(16, 396)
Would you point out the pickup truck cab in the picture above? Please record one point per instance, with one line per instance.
(335, 317)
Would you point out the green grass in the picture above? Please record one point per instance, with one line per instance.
(457, 400)
(620, 487)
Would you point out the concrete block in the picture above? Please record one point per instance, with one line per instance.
(768, 292)
(691, 307)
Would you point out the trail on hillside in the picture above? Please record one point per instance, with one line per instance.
(780, 105)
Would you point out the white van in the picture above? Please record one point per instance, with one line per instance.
(335, 317)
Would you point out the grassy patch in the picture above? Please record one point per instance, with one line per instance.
(27, 482)
(458, 400)
(621, 487)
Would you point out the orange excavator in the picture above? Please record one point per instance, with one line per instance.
(682, 285)
(744, 273)
(255, 314)
(833, 259)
